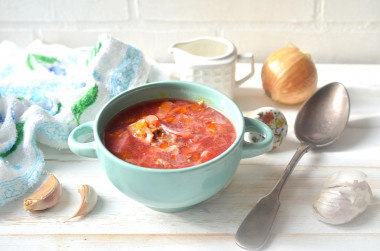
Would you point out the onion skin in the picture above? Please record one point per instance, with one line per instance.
(289, 76)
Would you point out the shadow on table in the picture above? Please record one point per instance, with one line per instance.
(355, 135)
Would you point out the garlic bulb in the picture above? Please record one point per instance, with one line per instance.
(346, 194)
(46, 197)
(289, 75)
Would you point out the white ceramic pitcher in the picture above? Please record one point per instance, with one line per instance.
(210, 61)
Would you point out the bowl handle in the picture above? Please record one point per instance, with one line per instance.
(85, 149)
(254, 149)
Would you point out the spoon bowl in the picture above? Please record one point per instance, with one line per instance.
(323, 117)
(320, 121)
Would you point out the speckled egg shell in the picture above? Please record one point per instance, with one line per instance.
(276, 121)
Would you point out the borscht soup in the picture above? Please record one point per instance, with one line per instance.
(168, 134)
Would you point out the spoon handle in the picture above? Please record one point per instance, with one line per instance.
(254, 230)
(301, 150)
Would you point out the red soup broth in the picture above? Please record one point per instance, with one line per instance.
(168, 134)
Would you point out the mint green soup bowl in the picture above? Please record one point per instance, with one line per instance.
(174, 189)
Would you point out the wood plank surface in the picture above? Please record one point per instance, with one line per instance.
(120, 223)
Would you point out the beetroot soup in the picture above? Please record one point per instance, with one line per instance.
(168, 134)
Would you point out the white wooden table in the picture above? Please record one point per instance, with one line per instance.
(119, 223)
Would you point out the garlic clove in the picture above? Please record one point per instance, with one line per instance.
(89, 198)
(345, 197)
(46, 197)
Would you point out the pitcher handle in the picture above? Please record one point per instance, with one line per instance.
(246, 58)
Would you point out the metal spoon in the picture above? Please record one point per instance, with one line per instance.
(319, 122)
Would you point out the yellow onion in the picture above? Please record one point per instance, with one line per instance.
(289, 75)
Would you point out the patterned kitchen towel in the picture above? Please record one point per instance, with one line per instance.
(46, 91)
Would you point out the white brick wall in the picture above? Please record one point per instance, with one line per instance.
(90, 10)
(333, 31)
(227, 10)
(353, 11)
